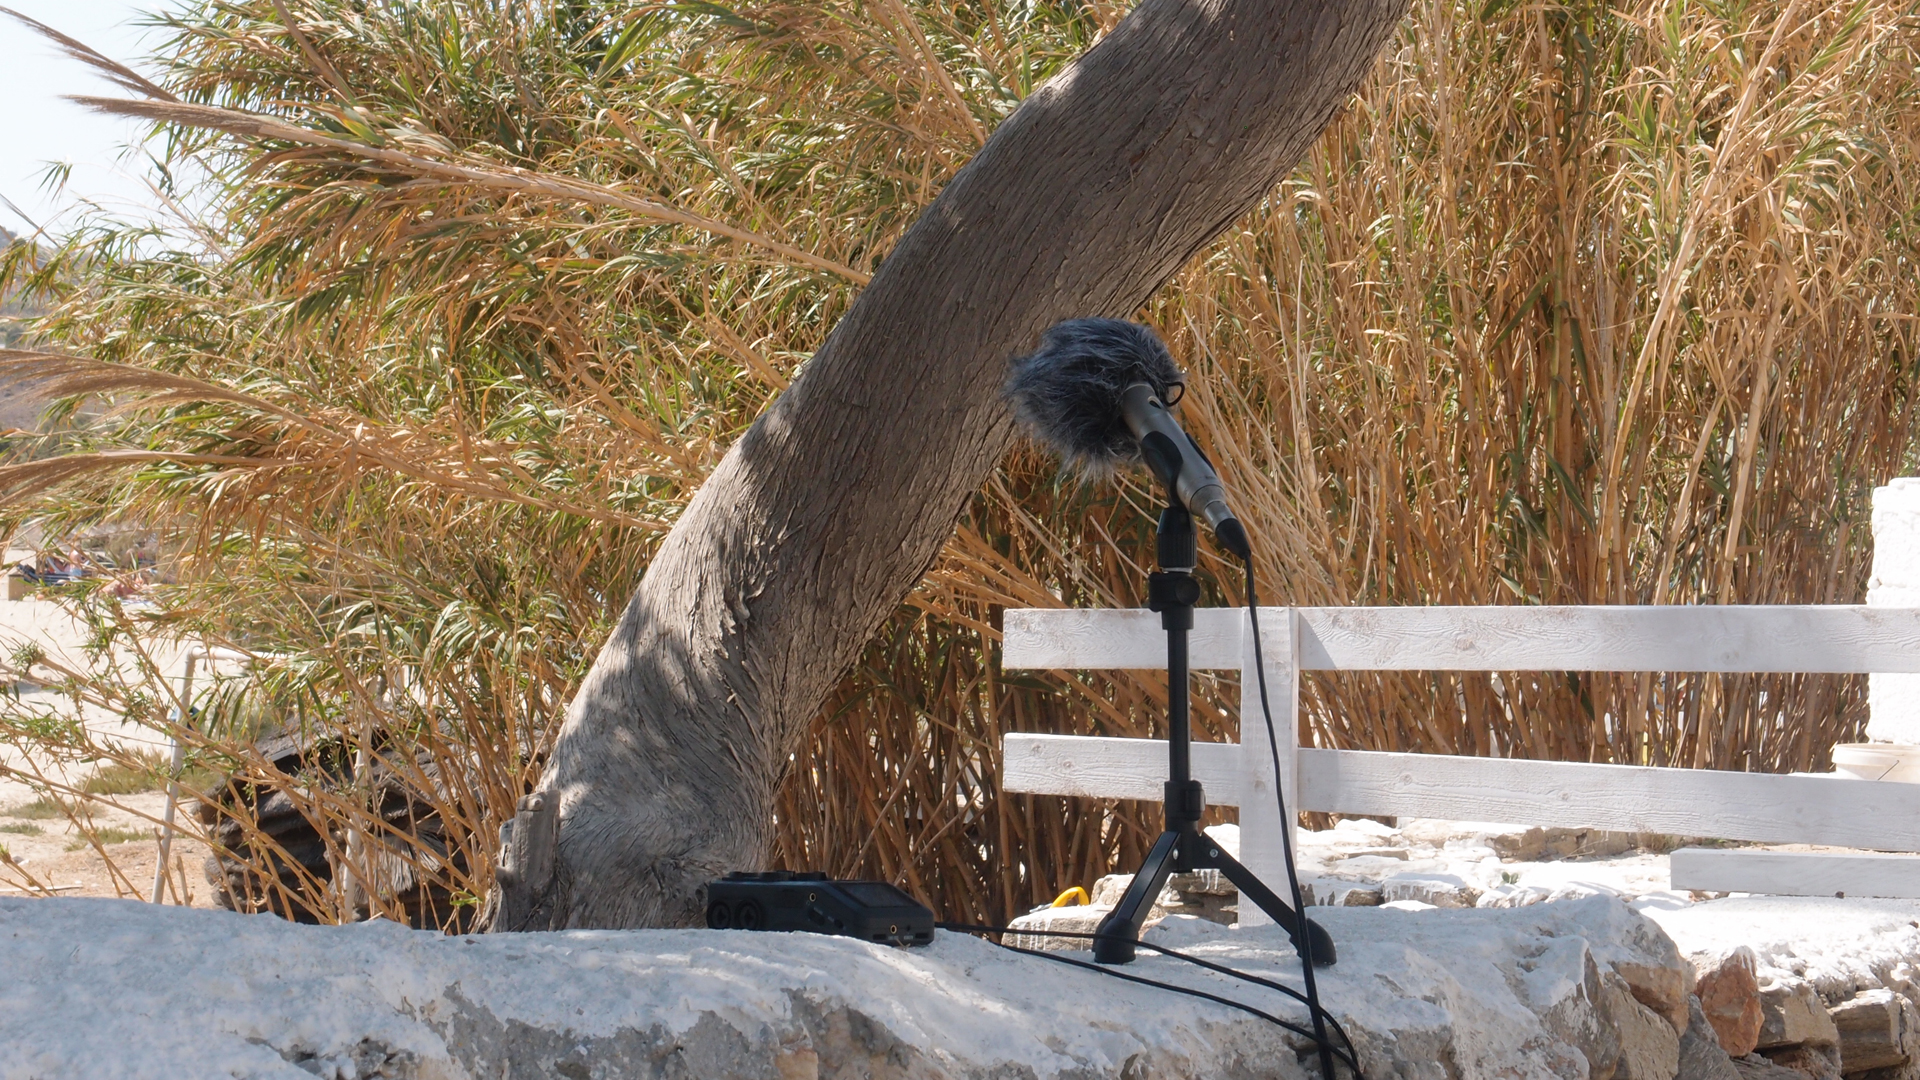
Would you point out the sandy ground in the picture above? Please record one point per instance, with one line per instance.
(55, 854)
(53, 851)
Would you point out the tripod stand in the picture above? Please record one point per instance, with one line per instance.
(1183, 848)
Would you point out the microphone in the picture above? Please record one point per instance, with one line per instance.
(1187, 473)
(1096, 392)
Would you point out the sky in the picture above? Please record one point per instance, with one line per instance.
(36, 126)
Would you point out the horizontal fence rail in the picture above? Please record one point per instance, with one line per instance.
(1796, 873)
(1768, 808)
(1114, 768)
(1835, 639)
(1762, 807)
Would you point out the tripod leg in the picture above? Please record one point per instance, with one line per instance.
(1252, 888)
(1113, 939)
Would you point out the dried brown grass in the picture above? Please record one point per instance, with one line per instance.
(1576, 304)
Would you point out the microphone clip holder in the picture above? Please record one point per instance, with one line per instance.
(1182, 847)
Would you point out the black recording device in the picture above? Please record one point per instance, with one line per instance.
(811, 902)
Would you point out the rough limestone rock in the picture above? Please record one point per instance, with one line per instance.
(1660, 978)
(1473, 859)
(1333, 892)
(1842, 947)
(1860, 953)
(1701, 1057)
(1072, 919)
(1206, 894)
(1520, 842)
(1817, 1062)
(110, 988)
(1440, 890)
(1876, 1029)
(1729, 994)
(1791, 1014)
(1756, 1067)
(1649, 1047)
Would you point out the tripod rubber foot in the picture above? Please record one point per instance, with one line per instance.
(1113, 949)
(1324, 954)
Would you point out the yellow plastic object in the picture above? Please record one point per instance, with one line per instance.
(1072, 897)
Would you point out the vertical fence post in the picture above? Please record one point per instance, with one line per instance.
(1260, 817)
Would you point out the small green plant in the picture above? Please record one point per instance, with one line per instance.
(21, 829)
(37, 810)
(112, 834)
(143, 770)
(1508, 877)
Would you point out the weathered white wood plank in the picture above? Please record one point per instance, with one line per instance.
(1834, 638)
(1796, 873)
(1049, 638)
(1112, 768)
(1684, 802)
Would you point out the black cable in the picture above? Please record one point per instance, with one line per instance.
(1305, 941)
(1162, 950)
(1348, 1058)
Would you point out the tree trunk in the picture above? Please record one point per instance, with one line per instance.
(835, 502)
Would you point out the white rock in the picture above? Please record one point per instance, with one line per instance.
(1791, 1013)
(1840, 946)
(1877, 1029)
(1389, 854)
(1039, 926)
(1440, 890)
(1373, 830)
(1662, 900)
(1338, 892)
(1510, 896)
(1364, 863)
(1435, 832)
(108, 988)
(1184, 931)
(1227, 835)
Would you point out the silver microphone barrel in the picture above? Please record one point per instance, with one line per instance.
(1177, 461)
(1209, 504)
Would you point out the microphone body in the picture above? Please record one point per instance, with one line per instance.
(1177, 461)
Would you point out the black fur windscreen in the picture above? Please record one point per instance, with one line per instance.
(1067, 395)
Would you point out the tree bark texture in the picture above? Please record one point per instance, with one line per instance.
(836, 501)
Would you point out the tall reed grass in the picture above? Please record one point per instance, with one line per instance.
(1574, 304)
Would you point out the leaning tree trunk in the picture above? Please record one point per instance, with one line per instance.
(831, 507)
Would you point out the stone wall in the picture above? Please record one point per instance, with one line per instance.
(1589, 989)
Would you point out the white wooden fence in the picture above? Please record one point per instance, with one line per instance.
(1826, 809)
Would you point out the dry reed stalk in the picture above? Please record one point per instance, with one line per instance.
(1435, 369)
